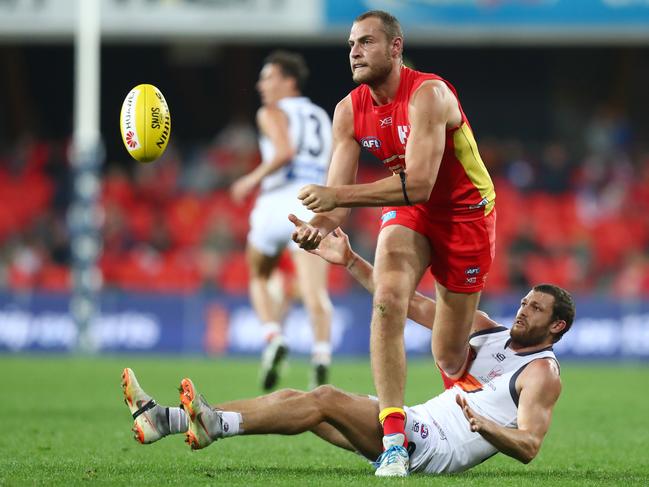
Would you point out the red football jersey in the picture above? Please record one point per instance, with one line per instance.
(463, 190)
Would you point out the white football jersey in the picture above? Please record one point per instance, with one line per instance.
(489, 386)
(310, 135)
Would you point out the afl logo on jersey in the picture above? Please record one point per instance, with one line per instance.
(371, 143)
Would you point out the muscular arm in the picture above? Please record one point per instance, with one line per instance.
(539, 385)
(344, 163)
(272, 122)
(431, 109)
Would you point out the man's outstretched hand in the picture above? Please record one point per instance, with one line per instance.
(242, 187)
(476, 422)
(335, 248)
(306, 236)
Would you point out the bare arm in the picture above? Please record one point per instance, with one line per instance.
(342, 171)
(344, 161)
(432, 108)
(272, 122)
(539, 385)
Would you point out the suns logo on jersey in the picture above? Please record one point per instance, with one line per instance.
(403, 133)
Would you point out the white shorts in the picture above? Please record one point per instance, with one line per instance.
(439, 437)
(428, 444)
(270, 228)
(432, 452)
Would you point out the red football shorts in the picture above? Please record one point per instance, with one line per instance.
(461, 252)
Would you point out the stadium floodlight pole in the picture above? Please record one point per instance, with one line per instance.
(87, 155)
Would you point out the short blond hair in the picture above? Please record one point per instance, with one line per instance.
(391, 26)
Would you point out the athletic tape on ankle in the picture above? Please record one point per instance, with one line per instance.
(149, 405)
(387, 411)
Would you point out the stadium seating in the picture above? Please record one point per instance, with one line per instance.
(159, 237)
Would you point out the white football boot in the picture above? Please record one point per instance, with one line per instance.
(394, 461)
(205, 423)
(147, 415)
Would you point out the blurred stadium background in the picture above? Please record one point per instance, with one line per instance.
(148, 258)
(555, 89)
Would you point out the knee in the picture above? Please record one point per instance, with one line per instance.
(258, 273)
(318, 304)
(450, 362)
(390, 297)
(284, 394)
(388, 305)
(325, 395)
(259, 267)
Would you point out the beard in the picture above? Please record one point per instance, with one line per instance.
(374, 75)
(526, 337)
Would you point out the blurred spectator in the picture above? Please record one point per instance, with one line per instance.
(554, 174)
(632, 281)
(27, 260)
(520, 248)
(234, 150)
(608, 131)
(518, 168)
(216, 246)
(602, 184)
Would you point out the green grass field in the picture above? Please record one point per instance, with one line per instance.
(64, 423)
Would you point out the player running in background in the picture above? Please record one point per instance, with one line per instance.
(438, 206)
(503, 400)
(295, 145)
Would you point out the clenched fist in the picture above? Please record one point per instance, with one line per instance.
(317, 198)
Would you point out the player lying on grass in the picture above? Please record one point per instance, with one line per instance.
(503, 401)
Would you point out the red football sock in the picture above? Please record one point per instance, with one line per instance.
(395, 423)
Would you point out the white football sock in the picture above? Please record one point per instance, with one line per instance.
(271, 330)
(321, 353)
(231, 423)
(177, 420)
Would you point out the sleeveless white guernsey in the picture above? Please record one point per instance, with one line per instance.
(443, 440)
(310, 135)
(309, 129)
